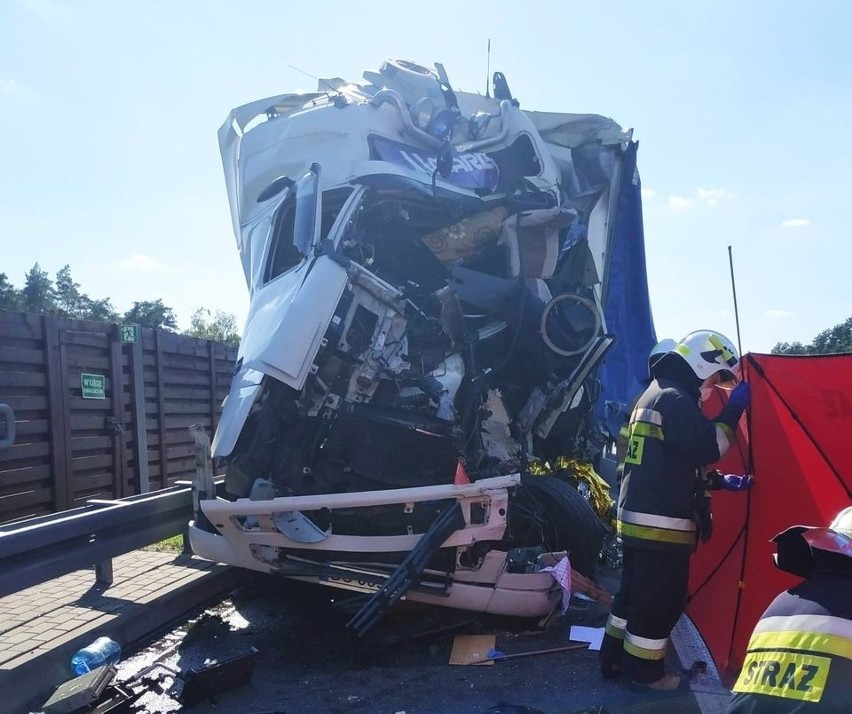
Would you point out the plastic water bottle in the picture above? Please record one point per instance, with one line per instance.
(102, 651)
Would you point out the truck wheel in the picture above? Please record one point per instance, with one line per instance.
(563, 519)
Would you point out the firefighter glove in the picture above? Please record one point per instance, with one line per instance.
(740, 396)
(703, 515)
(732, 482)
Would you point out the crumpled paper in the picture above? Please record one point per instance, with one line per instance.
(561, 573)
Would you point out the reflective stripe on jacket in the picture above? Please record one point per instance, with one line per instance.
(668, 439)
(799, 657)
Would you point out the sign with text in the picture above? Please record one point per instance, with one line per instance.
(469, 170)
(129, 333)
(93, 386)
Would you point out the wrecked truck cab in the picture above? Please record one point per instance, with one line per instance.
(412, 411)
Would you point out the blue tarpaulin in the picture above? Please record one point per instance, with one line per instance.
(627, 306)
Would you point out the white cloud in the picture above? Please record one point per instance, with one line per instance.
(680, 203)
(140, 262)
(648, 193)
(795, 223)
(779, 314)
(710, 196)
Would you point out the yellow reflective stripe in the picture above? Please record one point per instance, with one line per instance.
(788, 675)
(642, 653)
(656, 521)
(624, 432)
(614, 631)
(722, 440)
(826, 624)
(642, 428)
(617, 622)
(650, 415)
(808, 641)
(643, 648)
(661, 535)
(726, 430)
(615, 626)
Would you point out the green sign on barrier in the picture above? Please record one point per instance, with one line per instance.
(93, 385)
(129, 333)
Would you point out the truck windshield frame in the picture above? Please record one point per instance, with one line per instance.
(307, 210)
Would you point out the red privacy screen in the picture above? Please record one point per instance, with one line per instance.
(796, 443)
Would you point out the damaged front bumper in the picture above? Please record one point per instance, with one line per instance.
(281, 535)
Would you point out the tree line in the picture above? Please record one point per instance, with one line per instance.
(831, 341)
(63, 296)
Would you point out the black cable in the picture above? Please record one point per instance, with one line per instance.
(718, 565)
(518, 328)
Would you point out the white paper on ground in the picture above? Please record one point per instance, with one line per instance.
(592, 635)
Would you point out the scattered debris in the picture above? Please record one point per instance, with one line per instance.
(98, 692)
(205, 682)
(80, 692)
(497, 655)
(592, 635)
(698, 667)
(586, 586)
(561, 573)
(472, 649)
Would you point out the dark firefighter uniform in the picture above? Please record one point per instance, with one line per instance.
(668, 440)
(799, 656)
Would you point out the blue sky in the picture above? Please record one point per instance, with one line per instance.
(109, 113)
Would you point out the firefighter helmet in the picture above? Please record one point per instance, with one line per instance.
(842, 522)
(708, 352)
(799, 546)
(663, 347)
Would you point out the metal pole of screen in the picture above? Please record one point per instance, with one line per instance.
(750, 468)
(736, 311)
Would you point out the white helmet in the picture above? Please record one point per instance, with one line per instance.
(707, 352)
(658, 350)
(842, 522)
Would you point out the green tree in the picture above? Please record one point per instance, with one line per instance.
(219, 326)
(151, 313)
(834, 340)
(99, 310)
(10, 296)
(69, 300)
(38, 293)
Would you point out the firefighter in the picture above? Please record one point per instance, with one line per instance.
(799, 657)
(669, 440)
(656, 353)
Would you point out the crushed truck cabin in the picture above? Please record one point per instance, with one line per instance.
(413, 408)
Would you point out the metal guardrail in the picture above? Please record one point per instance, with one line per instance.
(39, 549)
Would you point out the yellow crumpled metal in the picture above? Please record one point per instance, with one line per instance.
(539, 468)
(599, 496)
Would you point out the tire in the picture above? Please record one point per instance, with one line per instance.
(564, 520)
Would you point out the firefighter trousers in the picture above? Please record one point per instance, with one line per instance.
(646, 608)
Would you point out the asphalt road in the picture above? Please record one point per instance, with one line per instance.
(309, 662)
